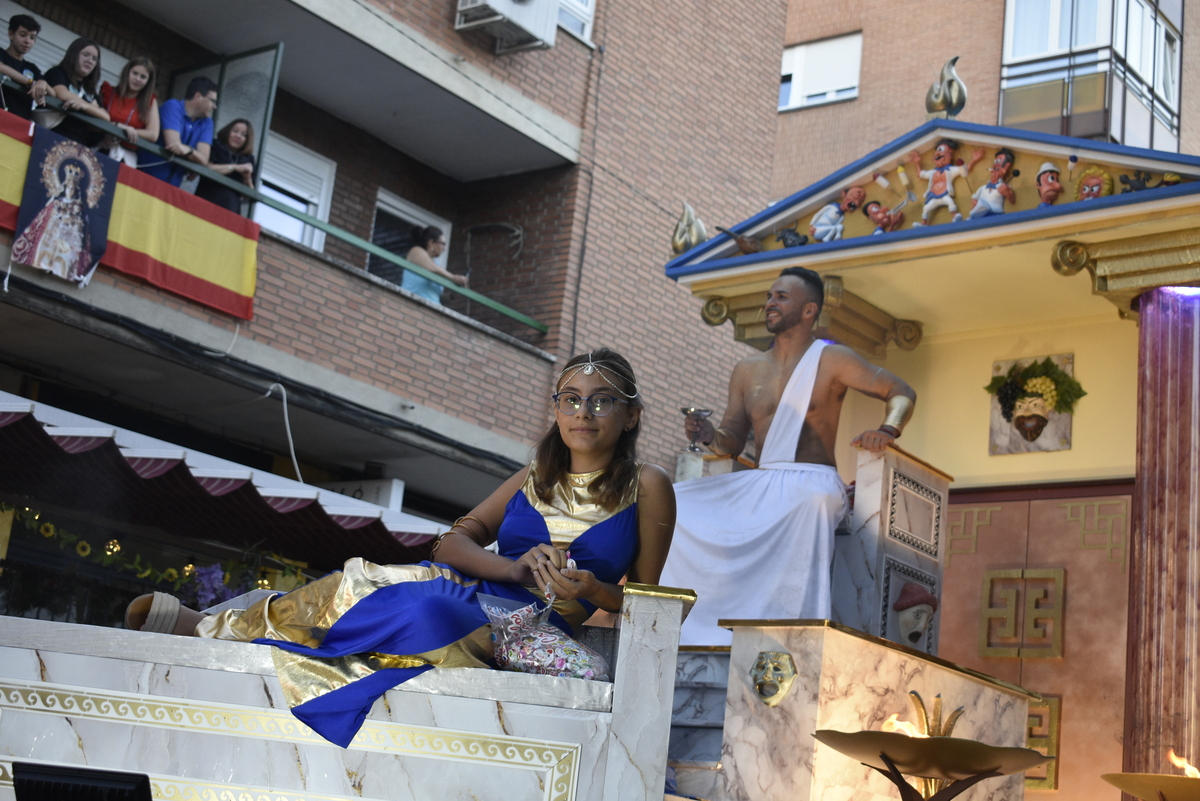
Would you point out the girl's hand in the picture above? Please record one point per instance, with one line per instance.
(567, 584)
(130, 133)
(73, 104)
(525, 569)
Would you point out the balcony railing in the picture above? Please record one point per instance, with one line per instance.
(330, 230)
(1090, 95)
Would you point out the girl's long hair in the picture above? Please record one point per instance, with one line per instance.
(554, 457)
(71, 60)
(146, 95)
(223, 136)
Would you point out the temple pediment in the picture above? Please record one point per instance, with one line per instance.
(950, 202)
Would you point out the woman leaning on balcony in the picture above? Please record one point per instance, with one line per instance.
(429, 243)
(232, 155)
(75, 81)
(133, 107)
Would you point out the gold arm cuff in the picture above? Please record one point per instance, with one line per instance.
(899, 411)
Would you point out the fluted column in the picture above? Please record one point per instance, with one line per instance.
(1162, 691)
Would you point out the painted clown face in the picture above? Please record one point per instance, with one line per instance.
(1091, 188)
(1030, 416)
(942, 154)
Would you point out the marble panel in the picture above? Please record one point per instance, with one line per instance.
(694, 745)
(848, 682)
(698, 706)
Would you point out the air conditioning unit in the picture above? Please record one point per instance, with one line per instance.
(514, 24)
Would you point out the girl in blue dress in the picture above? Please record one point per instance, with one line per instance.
(348, 637)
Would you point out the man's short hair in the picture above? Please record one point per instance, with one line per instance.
(1011, 156)
(953, 145)
(816, 287)
(866, 210)
(23, 21)
(199, 86)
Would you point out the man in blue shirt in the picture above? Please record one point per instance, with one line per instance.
(187, 131)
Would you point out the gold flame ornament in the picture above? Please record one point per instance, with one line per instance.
(689, 231)
(773, 674)
(926, 726)
(948, 95)
(112, 547)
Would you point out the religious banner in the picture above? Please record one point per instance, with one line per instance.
(62, 225)
(156, 232)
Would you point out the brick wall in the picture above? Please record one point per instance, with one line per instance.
(678, 106)
(807, 22)
(903, 53)
(1189, 81)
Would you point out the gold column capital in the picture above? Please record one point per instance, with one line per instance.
(1123, 269)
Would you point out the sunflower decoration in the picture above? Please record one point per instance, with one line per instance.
(1028, 394)
(83, 548)
(46, 530)
(170, 574)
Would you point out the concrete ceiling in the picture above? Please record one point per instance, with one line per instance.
(357, 83)
(230, 409)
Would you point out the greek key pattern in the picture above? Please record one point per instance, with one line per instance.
(1107, 531)
(924, 542)
(1044, 735)
(962, 534)
(561, 760)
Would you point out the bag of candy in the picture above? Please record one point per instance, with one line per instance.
(526, 642)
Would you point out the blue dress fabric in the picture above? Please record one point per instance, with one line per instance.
(433, 607)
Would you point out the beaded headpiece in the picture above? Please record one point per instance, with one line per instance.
(590, 368)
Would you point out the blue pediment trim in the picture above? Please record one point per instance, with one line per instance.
(680, 266)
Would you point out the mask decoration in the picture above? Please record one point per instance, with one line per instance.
(914, 613)
(1029, 394)
(773, 674)
(1030, 416)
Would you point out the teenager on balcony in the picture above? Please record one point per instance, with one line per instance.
(133, 107)
(187, 131)
(75, 81)
(22, 36)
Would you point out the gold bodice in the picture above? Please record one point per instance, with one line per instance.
(572, 509)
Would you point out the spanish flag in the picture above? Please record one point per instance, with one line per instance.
(163, 235)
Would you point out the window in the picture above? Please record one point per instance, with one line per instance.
(820, 72)
(300, 178)
(1098, 69)
(395, 218)
(575, 16)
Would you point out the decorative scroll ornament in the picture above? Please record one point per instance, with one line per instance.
(773, 674)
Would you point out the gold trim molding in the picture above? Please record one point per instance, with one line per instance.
(560, 761)
(1123, 269)
(845, 317)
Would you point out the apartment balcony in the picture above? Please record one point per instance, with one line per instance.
(1090, 95)
(378, 381)
(399, 83)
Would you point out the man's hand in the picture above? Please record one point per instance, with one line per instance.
(875, 441)
(699, 429)
(178, 148)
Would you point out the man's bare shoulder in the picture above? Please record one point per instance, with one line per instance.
(753, 363)
(836, 356)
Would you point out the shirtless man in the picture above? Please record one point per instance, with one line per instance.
(940, 191)
(759, 543)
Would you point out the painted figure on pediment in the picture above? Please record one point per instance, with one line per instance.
(990, 198)
(1094, 182)
(914, 609)
(884, 218)
(827, 224)
(940, 191)
(1048, 185)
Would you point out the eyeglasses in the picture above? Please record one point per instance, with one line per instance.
(599, 404)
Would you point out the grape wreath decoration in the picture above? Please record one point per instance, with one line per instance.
(1045, 379)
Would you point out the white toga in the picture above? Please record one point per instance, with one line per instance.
(758, 544)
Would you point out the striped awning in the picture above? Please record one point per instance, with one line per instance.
(58, 458)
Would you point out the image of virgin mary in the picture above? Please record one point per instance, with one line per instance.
(62, 227)
(57, 240)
